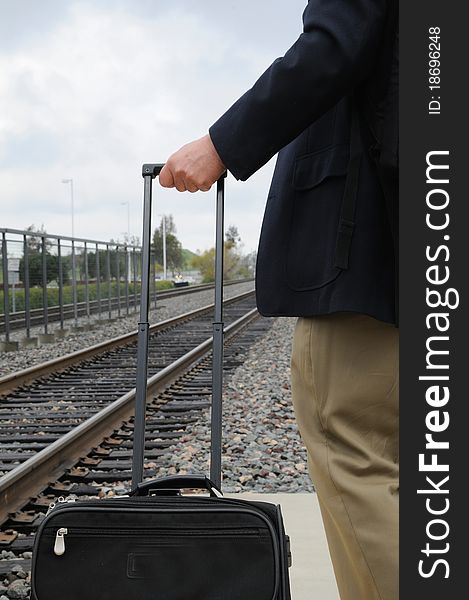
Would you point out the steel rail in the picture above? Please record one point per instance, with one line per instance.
(14, 380)
(30, 478)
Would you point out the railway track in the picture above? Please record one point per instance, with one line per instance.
(17, 320)
(41, 404)
(94, 456)
(12, 381)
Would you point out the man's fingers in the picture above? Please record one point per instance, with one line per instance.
(191, 187)
(195, 166)
(178, 179)
(169, 179)
(166, 177)
(180, 185)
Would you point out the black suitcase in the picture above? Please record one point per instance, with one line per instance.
(157, 544)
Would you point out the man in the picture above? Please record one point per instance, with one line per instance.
(326, 255)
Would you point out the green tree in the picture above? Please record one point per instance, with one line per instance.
(35, 250)
(235, 264)
(35, 268)
(232, 255)
(116, 263)
(34, 239)
(93, 264)
(232, 236)
(205, 263)
(174, 255)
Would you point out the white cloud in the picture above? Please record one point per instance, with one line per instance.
(107, 90)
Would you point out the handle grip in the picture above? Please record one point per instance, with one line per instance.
(175, 483)
(152, 169)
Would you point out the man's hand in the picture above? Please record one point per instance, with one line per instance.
(195, 166)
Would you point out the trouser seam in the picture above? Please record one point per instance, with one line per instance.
(326, 444)
(350, 520)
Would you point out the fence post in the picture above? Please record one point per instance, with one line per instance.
(45, 307)
(108, 274)
(61, 284)
(135, 278)
(74, 284)
(6, 299)
(127, 256)
(118, 281)
(87, 291)
(98, 282)
(27, 297)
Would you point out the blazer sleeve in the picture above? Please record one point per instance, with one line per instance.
(333, 55)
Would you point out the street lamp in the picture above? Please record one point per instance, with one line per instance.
(128, 219)
(74, 265)
(128, 267)
(70, 181)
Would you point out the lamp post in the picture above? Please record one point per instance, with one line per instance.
(74, 266)
(128, 266)
(128, 219)
(70, 181)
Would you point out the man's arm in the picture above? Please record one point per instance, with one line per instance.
(335, 52)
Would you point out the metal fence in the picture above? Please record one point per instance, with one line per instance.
(47, 279)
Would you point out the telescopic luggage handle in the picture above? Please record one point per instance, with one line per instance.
(176, 483)
(149, 172)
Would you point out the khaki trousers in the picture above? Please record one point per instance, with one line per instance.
(345, 386)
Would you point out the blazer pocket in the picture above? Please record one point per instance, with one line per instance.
(311, 169)
(318, 187)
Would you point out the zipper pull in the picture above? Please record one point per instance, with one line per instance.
(52, 505)
(59, 546)
(60, 500)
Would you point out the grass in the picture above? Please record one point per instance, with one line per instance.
(36, 294)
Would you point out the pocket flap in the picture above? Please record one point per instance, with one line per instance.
(311, 169)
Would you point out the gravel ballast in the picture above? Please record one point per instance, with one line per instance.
(262, 448)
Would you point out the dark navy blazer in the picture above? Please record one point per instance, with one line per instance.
(302, 106)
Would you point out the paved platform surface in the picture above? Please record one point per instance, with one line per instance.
(311, 575)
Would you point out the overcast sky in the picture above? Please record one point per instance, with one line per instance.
(91, 89)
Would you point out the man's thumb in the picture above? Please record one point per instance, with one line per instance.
(166, 177)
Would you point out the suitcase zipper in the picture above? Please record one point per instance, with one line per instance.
(59, 546)
(60, 500)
